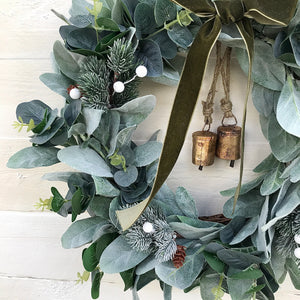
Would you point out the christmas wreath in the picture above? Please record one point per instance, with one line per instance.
(107, 47)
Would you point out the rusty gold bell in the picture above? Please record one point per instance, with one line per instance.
(229, 143)
(204, 148)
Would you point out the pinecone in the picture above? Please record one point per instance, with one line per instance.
(179, 257)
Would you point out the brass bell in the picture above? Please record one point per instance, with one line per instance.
(204, 148)
(229, 143)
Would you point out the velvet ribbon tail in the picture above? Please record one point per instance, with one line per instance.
(183, 108)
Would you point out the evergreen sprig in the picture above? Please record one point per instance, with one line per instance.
(121, 57)
(286, 228)
(161, 241)
(98, 76)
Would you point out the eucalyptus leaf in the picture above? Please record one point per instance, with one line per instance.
(58, 83)
(288, 108)
(82, 21)
(79, 7)
(167, 47)
(148, 52)
(33, 157)
(107, 24)
(181, 36)
(104, 187)
(266, 70)
(147, 153)
(119, 257)
(81, 232)
(126, 178)
(85, 160)
(164, 11)
(47, 135)
(184, 276)
(82, 38)
(67, 64)
(92, 118)
(34, 110)
(144, 20)
(294, 38)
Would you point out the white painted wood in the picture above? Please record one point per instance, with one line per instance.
(33, 265)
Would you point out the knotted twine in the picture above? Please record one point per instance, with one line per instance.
(222, 67)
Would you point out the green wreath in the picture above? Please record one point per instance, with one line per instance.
(107, 47)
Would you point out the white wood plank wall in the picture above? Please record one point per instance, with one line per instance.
(33, 264)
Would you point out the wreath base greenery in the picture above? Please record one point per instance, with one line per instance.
(246, 254)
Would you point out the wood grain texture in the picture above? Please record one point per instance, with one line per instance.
(33, 265)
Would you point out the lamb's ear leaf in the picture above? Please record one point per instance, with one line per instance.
(32, 157)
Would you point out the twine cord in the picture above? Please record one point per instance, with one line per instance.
(208, 104)
(225, 103)
(222, 67)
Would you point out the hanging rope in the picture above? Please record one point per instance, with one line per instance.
(207, 105)
(226, 104)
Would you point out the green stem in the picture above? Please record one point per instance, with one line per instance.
(166, 27)
(254, 294)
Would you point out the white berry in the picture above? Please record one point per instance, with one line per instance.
(141, 71)
(148, 227)
(297, 252)
(75, 93)
(297, 238)
(119, 86)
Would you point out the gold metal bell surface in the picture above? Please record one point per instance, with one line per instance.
(229, 143)
(204, 148)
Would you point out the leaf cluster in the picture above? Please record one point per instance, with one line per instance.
(112, 172)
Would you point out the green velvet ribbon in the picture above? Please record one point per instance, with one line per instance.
(218, 12)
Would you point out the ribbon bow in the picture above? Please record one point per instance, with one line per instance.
(218, 12)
